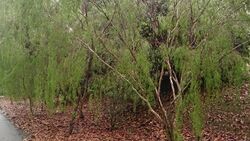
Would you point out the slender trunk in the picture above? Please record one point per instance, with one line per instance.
(11, 100)
(31, 105)
(30, 100)
(83, 92)
(42, 107)
(198, 138)
(81, 115)
(191, 35)
(169, 133)
(166, 122)
(74, 115)
(86, 81)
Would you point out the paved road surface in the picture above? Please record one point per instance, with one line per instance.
(7, 131)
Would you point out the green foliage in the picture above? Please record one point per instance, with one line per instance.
(179, 120)
(196, 115)
(45, 48)
(233, 70)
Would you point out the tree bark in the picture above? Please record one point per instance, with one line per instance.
(31, 105)
(86, 81)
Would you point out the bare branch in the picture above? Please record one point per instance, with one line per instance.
(122, 76)
(202, 11)
(171, 77)
(225, 54)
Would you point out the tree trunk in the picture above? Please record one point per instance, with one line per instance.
(169, 131)
(31, 105)
(74, 115)
(11, 100)
(86, 81)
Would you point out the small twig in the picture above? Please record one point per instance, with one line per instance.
(202, 11)
(225, 54)
(171, 78)
(122, 76)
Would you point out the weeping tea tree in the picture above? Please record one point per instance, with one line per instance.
(137, 45)
(56, 52)
(39, 60)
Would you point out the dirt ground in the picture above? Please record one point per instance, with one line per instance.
(226, 119)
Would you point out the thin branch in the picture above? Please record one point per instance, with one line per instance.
(171, 78)
(160, 80)
(202, 12)
(122, 76)
(164, 111)
(175, 78)
(225, 54)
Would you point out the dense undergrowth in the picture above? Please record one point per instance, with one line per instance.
(58, 53)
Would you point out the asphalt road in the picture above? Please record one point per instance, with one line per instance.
(7, 131)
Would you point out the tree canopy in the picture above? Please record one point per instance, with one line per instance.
(58, 52)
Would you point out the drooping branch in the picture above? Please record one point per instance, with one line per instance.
(122, 76)
(233, 49)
